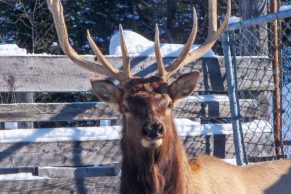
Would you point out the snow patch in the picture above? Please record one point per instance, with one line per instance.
(234, 19)
(20, 176)
(11, 125)
(185, 128)
(138, 45)
(207, 98)
(285, 8)
(11, 49)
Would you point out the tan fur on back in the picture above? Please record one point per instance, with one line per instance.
(213, 176)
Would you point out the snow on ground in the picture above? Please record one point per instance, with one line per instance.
(138, 45)
(285, 8)
(19, 176)
(185, 127)
(234, 19)
(207, 98)
(11, 49)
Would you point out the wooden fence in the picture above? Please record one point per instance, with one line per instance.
(87, 159)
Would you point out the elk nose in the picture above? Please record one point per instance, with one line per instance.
(152, 131)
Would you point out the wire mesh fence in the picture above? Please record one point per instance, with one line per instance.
(285, 48)
(269, 84)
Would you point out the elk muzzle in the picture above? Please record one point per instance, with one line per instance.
(152, 134)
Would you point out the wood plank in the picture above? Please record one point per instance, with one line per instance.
(100, 145)
(94, 111)
(59, 154)
(104, 185)
(26, 170)
(79, 172)
(107, 152)
(59, 74)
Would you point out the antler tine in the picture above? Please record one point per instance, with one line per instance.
(158, 53)
(56, 9)
(212, 24)
(125, 57)
(177, 62)
(101, 58)
(210, 41)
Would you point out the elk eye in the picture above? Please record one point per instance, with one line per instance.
(124, 109)
(171, 105)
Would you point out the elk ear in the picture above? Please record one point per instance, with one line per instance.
(184, 85)
(106, 90)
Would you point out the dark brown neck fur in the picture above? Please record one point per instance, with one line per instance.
(152, 171)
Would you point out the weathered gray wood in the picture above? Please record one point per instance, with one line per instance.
(107, 152)
(32, 170)
(24, 98)
(100, 110)
(59, 154)
(59, 74)
(79, 172)
(98, 185)
(265, 102)
(67, 172)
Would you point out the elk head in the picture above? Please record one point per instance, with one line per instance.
(146, 103)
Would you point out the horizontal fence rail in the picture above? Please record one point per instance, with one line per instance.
(100, 145)
(192, 107)
(87, 185)
(59, 74)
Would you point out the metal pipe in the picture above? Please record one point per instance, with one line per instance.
(276, 69)
(234, 65)
(259, 20)
(232, 94)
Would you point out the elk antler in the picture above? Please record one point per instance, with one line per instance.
(106, 68)
(184, 58)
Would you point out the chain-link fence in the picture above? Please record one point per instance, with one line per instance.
(264, 46)
(285, 51)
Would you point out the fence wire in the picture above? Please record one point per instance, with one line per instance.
(286, 84)
(255, 45)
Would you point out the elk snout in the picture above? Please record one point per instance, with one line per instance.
(152, 134)
(152, 131)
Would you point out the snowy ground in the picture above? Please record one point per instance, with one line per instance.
(185, 127)
(19, 176)
(138, 45)
(11, 49)
(285, 8)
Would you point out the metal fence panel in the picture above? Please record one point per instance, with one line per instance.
(255, 38)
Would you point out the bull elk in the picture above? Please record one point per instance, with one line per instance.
(154, 160)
